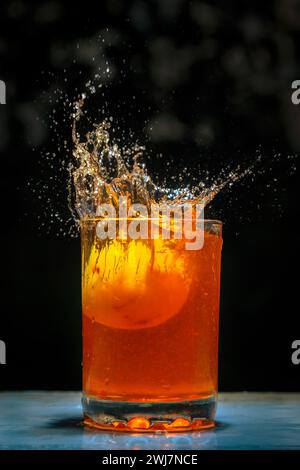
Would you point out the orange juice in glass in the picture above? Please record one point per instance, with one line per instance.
(150, 331)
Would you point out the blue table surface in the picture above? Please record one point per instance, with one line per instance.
(53, 420)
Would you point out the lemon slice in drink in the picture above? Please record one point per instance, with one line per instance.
(135, 284)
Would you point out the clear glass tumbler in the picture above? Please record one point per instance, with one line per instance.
(150, 331)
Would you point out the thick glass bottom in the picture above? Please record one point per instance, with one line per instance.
(175, 416)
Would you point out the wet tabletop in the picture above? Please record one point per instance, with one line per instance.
(52, 420)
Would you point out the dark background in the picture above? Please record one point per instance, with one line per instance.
(207, 84)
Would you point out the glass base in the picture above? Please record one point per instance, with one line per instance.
(175, 416)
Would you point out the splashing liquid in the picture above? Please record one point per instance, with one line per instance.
(103, 172)
(150, 307)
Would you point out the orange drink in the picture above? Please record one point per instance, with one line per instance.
(150, 331)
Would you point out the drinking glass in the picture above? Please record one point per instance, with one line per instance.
(150, 331)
